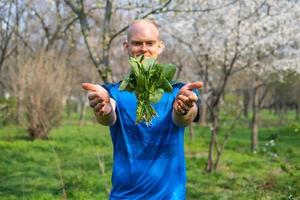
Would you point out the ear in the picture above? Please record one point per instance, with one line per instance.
(161, 47)
(125, 46)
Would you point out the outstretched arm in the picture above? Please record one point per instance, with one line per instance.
(103, 106)
(185, 108)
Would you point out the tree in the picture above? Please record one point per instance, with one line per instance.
(285, 92)
(230, 40)
(6, 32)
(85, 15)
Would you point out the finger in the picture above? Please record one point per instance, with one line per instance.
(193, 98)
(93, 95)
(94, 102)
(187, 100)
(185, 108)
(193, 85)
(90, 87)
(182, 105)
(98, 107)
(182, 109)
(100, 113)
(106, 109)
(179, 102)
(189, 103)
(187, 93)
(182, 97)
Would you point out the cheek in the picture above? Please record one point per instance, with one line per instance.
(154, 51)
(134, 49)
(130, 51)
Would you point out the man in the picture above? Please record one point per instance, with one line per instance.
(148, 160)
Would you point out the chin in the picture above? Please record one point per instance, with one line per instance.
(146, 55)
(150, 56)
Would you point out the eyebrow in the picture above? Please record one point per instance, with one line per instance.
(143, 41)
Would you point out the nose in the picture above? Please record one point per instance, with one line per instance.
(144, 47)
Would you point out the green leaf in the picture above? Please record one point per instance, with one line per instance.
(148, 63)
(139, 112)
(140, 81)
(173, 82)
(169, 71)
(166, 85)
(159, 68)
(140, 58)
(154, 74)
(125, 82)
(156, 95)
(135, 68)
(148, 80)
(131, 86)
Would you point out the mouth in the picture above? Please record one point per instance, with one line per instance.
(146, 55)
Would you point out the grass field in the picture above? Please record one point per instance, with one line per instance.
(76, 162)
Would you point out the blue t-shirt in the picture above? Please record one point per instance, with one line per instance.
(148, 160)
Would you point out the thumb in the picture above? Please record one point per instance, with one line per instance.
(90, 87)
(193, 85)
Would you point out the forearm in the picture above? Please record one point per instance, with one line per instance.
(110, 118)
(187, 119)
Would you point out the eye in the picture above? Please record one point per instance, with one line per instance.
(150, 43)
(136, 43)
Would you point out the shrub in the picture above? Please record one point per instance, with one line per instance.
(7, 111)
(295, 128)
(45, 77)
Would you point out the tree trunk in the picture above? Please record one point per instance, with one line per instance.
(20, 104)
(255, 119)
(20, 84)
(218, 158)
(210, 153)
(282, 115)
(203, 114)
(203, 110)
(215, 132)
(246, 101)
(213, 137)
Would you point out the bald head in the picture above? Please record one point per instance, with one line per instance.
(142, 25)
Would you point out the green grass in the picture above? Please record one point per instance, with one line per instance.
(32, 170)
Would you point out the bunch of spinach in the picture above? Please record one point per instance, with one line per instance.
(148, 80)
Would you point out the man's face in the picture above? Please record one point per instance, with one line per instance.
(143, 40)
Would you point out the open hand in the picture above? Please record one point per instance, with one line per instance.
(99, 99)
(186, 98)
